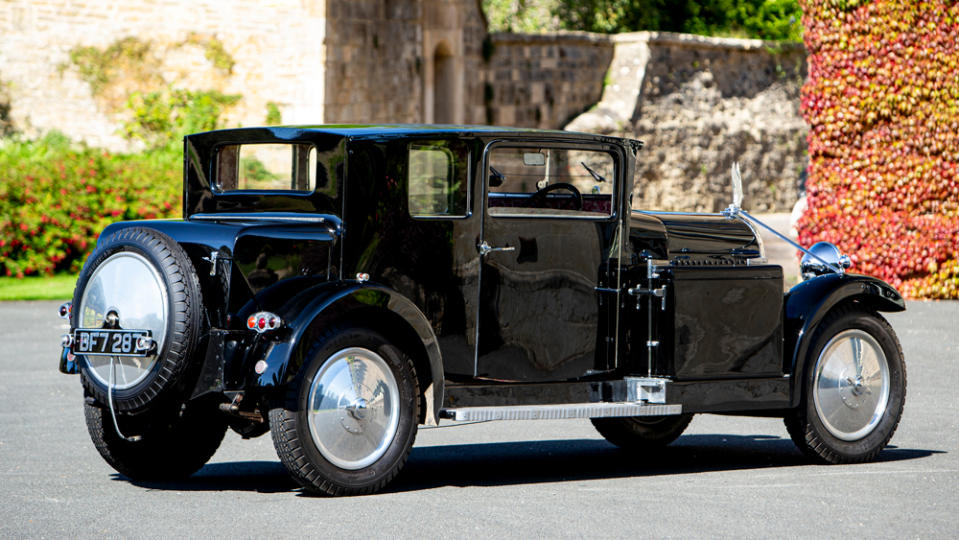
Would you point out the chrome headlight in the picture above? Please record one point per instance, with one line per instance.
(814, 261)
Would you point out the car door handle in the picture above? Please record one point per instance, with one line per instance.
(485, 248)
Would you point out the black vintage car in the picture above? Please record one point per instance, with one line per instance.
(337, 286)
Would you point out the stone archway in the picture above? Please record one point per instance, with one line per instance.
(444, 85)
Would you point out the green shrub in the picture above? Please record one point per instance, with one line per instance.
(56, 197)
(760, 19)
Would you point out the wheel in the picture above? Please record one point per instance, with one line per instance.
(143, 280)
(642, 432)
(854, 388)
(170, 446)
(347, 425)
(537, 199)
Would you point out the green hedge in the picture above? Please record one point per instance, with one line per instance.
(56, 197)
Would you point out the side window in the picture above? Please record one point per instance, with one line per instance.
(550, 181)
(273, 167)
(437, 174)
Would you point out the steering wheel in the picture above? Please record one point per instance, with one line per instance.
(536, 199)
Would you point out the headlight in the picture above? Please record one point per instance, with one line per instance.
(814, 263)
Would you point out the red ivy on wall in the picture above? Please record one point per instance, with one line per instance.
(882, 103)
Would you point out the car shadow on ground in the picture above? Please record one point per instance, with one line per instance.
(497, 464)
(513, 463)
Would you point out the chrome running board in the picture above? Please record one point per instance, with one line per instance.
(559, 412)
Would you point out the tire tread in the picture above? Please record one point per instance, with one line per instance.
(802, 431)
(289, 444)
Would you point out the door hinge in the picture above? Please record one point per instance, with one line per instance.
(213, 259)
(659, 292)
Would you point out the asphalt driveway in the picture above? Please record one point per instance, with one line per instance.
(726, 477)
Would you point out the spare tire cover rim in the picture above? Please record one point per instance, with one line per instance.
(353, 408)
(129, 284)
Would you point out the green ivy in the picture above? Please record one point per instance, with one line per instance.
(99, 67)
(273, 115)
(214, 51)
(163, 117)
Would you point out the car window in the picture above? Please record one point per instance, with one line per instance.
(274, 167)
(437, 177)
(525, 181)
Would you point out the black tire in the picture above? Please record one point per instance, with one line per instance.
(816, 434)
(642, 433)
(171, 446)
(172, 374)
(315, 468)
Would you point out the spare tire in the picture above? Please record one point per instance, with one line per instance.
(147, 281)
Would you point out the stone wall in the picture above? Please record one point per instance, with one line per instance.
(381, 55)
(699, 104)
(544, 80)
(278, 48)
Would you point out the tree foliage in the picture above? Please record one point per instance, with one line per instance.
(762, 19)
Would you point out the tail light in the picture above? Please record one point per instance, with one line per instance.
(264, 321)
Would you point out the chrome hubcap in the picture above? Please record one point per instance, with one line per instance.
(353, 408)
(125, 290)
(851, 386)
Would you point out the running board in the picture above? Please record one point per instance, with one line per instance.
(559, 412)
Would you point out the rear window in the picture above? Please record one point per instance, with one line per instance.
(269, 167)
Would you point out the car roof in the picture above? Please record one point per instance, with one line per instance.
(376, 131)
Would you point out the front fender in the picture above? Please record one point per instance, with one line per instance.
(316, 308)
(806, 304)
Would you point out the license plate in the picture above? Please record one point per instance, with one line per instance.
(107, 342)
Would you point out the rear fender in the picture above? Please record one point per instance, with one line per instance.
(382, 309)
(809, 302)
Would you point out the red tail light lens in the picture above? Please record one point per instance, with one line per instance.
(264, 321)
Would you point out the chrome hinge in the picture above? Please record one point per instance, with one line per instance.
(605, 290)
(213, 259)
(659, 292)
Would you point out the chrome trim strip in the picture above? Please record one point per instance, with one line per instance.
(655, 212)
(294, 217)
(559, 412)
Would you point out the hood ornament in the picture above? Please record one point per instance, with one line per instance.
(822, 258)
(737, 186)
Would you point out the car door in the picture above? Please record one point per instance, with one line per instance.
(549, 261)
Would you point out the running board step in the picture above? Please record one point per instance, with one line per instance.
(559, 412)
